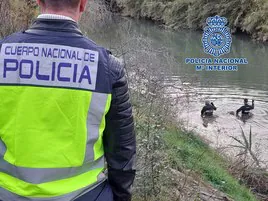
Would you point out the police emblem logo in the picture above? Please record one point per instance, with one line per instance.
(217, 38)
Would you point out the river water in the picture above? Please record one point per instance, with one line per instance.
(226, 89)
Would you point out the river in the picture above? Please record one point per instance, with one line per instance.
(226, 89)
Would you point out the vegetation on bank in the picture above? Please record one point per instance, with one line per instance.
(16, 15)
(188, 151)
(179, 165)
(249, 16)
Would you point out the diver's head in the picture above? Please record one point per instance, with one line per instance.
(206, 102)
(245, 101)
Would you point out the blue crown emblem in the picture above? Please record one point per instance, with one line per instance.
(217, 38)
(216, 21)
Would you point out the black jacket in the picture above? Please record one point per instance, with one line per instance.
(208, 109)
(119, 137)
(245, 108)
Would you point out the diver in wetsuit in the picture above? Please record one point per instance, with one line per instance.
(208, 109)
(245, 108)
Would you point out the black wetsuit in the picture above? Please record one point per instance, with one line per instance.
(245, 109)
(208, 110)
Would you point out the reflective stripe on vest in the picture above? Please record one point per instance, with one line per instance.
(7, 195)
(209, 112)
(50, 133)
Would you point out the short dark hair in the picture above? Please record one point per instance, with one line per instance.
(61, 3)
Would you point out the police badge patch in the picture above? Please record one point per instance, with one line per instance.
(217, 38)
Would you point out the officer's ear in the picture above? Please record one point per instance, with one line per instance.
(39, 2)
(83, 5)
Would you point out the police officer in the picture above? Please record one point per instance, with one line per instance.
(208, 109)
(245, 108)
(64, 111)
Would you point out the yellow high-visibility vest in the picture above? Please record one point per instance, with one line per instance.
(50, 129)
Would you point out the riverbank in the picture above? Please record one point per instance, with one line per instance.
(174, 164)
(244, 16)
(188, 151)
(179, 165)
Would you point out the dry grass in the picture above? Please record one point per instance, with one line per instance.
(16, 15)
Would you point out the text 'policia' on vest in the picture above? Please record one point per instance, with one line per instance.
(64, 110)
(60, 66)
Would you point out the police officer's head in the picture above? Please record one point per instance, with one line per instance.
(71, 8)
(207, 102)
(245, 101)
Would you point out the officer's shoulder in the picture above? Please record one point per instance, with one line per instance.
(9, 37)
(88, 40)
(96, 46)
(115, 64)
